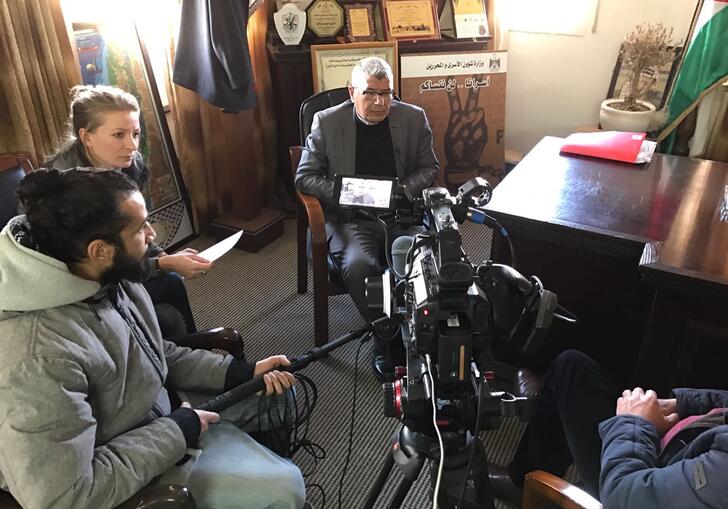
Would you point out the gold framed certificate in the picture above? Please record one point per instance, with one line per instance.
(331, 64)
(325, 18)
(360, 22)
(410, 19)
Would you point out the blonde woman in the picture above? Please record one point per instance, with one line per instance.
(104, 132)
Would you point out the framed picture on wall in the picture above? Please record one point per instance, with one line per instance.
(109, 59)
(663, 78)
(332, 63)
(410, 19)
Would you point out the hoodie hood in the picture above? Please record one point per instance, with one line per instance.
(32, 281)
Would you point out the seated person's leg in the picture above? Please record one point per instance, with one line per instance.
(169, 288)
(357, 248)
(171, 322)
(234, 471)
(575, 396)
(267, 419)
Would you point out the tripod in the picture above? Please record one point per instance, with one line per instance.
(410, 450)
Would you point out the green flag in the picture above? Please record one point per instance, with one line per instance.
(704, 69)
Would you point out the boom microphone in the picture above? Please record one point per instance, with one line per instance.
(400, 248)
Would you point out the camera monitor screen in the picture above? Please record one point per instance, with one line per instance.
(363, 192)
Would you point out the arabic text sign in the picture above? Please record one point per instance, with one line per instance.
(455, 64)
(463, 95)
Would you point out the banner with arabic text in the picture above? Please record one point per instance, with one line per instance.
(464, 96)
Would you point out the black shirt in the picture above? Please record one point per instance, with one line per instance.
(374, 150)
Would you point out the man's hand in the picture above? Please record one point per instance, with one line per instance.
(646, 405)
(187, 263)
(275, 381)
(206, 418)
(668, 406)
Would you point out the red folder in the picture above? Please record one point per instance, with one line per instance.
(615, 145)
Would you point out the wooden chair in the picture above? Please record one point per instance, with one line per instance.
(541, 487)
(13, 167)
(222, 340)
(310, 216)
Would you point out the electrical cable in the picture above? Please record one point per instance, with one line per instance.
(504, 233)
(323, 494)
(437, 432)
(351, 424)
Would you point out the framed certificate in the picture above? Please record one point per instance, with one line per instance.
(325, 18)
(469, 18)
(360, 22)
(332, 63)
(410, 19)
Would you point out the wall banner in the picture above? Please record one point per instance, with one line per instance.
(464, 97)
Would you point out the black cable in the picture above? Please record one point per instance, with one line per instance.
(294, 431)
(351, 425)
(504, 233)
(323, 493)
(476, 431)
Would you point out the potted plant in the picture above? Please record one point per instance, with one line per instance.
(643, 52)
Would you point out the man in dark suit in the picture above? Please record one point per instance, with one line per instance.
(372, 135)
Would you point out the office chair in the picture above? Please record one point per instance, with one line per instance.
(13, 168)
(541, 488)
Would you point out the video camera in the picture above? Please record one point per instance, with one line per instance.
(450, 311)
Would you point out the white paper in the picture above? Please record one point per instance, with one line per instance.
(646, 150)
(214, 252)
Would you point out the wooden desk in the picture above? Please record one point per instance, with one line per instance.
(688, 267)
(582, 226)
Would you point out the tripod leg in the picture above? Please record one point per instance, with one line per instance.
(401, 493)
(381, 479)
(477, 494)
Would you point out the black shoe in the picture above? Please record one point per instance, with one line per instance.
(502, 485)
(383, 367)
(526, 384)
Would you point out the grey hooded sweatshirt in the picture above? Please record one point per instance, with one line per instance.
(85, 421)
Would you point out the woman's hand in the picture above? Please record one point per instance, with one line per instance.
(275, 381)
(187, 263)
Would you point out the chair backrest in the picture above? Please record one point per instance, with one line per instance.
(13, 168)
(541, 486)
(316, 103)
(312, 105)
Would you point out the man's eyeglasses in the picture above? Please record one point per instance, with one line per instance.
(372, 95)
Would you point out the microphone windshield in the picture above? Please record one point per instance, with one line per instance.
(400, 248)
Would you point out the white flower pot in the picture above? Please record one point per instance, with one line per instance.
(632, 121)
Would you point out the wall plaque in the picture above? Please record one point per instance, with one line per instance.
(470, 19)
(410, 19)
(290, 24)
(325, 18)
(360, 22)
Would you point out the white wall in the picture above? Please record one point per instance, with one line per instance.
(556, 82)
